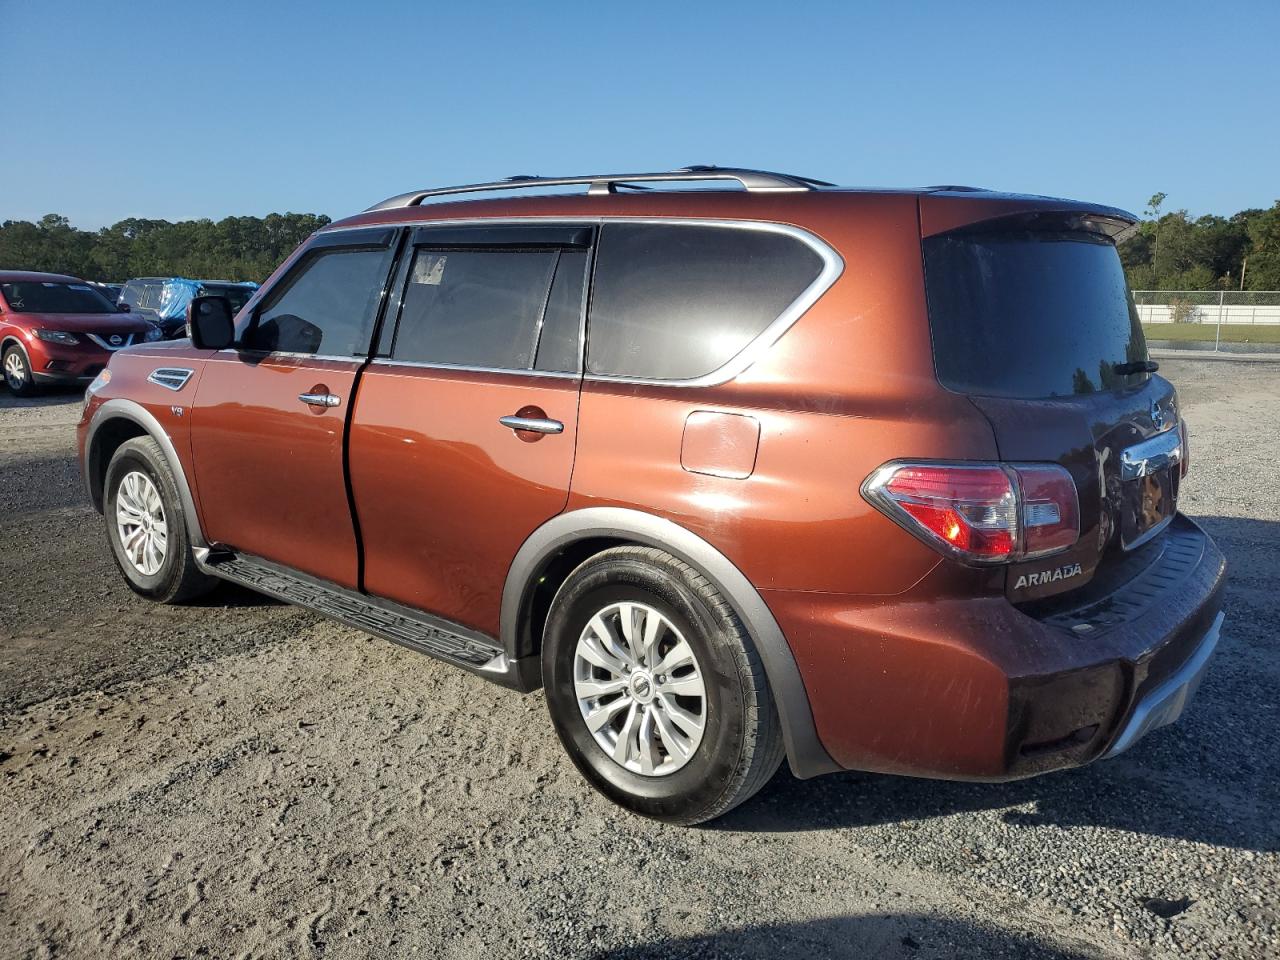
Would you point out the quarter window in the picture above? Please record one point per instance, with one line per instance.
(326, 307)
(679, 301)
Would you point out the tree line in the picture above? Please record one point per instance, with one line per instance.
(236, 248)
(1174, 251)
(1169, 251)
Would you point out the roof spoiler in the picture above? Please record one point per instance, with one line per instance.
(973, 211)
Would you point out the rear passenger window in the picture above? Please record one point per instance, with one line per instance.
(679, 301)
(482, 308)
(326, 306)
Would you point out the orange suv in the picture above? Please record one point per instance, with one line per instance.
(870, 479)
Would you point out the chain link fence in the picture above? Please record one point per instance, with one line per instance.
(1197, 317)
(1208, 306)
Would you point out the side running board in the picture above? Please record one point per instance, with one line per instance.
(411, 628)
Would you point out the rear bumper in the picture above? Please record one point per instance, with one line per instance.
(1169, 699)
(975, 688)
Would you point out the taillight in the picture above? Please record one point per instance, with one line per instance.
(981, 513)
(1050, 508)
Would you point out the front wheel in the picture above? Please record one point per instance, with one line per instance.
(656, 689)
(17, 372)
(146, 527)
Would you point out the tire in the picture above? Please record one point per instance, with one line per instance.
(740, 744)
(18, 375)
(175, 578)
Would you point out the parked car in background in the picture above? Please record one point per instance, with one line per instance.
(877, 480)
(59, 329)
(165, 299)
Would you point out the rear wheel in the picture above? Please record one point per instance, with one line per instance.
(17, 372)
(656, 689)
(146, 526)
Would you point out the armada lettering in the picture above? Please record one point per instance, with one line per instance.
(1048, 576)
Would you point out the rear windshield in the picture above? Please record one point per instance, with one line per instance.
(26, 296)
(1030, 314)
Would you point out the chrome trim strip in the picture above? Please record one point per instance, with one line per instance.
(462, 368)
(833, 268)
(273, 354)
(1147, 534)
(1151, 456)
(171, 378)
(1166, 703)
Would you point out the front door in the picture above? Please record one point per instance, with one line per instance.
(269, 417)
(462, 437)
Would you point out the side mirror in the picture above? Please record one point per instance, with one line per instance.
(123, 307)
(211, 323)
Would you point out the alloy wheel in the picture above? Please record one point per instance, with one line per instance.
(15, 371)
(640, 689)
(140, 521)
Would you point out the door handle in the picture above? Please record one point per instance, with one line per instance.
(319, 399)
(532, 424)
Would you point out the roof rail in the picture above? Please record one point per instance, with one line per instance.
(754, 181)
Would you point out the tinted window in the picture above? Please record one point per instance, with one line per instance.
(1030, 315)
(326, 306)
(562, 323)
(475, 308)
(677, 302)
(41, 297)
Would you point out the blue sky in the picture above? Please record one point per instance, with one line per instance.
(177, 110)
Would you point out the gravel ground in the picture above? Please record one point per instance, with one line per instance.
(241, 779)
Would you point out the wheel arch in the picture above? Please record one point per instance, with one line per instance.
(554, 549)
(13, 340)
(116, 422)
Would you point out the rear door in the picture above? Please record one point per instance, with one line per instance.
(447, 485)
(1036, 326)
(268, 419)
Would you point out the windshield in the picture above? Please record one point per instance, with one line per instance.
(1030, 315)
(35, 296)
(237, 294)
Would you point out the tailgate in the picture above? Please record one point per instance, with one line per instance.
(1031, 320)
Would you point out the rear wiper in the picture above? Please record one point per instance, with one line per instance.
(1135, 366)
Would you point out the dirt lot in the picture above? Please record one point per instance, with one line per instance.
(241, 779)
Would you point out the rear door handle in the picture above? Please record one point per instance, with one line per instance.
(532, 424)
(319, 399)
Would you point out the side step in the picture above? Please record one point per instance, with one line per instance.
(411, 628)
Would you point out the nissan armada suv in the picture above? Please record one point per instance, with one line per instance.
(878, 480)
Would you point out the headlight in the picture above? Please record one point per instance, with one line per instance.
(57, 336)
(153, 334)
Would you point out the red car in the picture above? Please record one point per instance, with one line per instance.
(59, 329)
